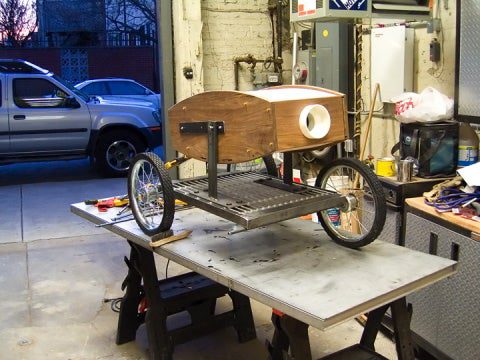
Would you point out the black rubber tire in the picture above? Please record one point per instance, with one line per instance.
(104, 143)
(375, 192)
(167, 190)
(270, 165)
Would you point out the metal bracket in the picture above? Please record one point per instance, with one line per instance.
(201, 127)
(212, 129)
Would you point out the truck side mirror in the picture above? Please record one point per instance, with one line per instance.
(71, 102)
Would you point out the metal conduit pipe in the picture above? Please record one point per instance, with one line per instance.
(248, 59)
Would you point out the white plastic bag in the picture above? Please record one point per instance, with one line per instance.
(430, 105)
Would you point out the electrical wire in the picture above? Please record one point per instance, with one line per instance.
(115, 303)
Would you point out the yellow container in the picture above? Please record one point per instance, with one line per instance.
(386, 167)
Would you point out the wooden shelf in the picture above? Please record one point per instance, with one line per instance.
(468, 224)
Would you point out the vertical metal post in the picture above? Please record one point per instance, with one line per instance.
(212, 159)
(288, 168)
(166, 72)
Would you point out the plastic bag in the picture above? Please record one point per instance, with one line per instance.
(430, 105)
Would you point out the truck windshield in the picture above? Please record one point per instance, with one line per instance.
(73, 89)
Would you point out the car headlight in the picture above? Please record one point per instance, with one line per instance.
(156, 116)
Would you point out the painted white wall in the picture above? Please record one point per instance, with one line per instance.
(234, 28)
(385, 131)
(210, 34)
(188, 52)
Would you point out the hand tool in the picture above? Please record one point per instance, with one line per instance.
(104, 204)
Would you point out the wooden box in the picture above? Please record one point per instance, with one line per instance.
(258, 123)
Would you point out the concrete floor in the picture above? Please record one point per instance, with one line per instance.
(56, 270)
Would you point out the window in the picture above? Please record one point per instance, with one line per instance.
(126, 88)
(96, 88)
(29, 93)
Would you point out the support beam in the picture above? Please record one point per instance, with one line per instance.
(165, 49)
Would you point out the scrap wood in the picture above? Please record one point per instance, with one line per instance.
(170, 239)
(362, 319)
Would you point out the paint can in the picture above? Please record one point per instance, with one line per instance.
(386, 167)
(334, 216)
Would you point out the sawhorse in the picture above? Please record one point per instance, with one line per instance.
(190, 292)
(292, 334)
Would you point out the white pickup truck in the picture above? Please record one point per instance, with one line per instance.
(44, 118)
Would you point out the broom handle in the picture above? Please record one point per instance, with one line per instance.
(367, 134)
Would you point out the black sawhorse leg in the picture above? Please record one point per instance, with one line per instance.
(293, 334)
(142, 265)
(290, 334)
(189, 292)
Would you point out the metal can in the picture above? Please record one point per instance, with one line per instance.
(386, 167)
(334, 216)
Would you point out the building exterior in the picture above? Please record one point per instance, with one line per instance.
(71, 23)
(87, 39)
(80, 23)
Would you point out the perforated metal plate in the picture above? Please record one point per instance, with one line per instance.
(252, 199)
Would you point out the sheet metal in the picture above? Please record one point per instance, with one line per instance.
(292, 266)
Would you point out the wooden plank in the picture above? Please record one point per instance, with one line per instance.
(419, 203)
(289, 135)
(248, 126)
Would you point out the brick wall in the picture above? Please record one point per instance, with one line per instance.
(134, 63)
(45, 58)
(233, 28)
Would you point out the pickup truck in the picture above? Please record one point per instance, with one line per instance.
(44, 118)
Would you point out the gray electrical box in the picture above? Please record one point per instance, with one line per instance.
(331, 70)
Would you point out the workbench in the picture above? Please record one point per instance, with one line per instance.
(297, 270)
(445, 318)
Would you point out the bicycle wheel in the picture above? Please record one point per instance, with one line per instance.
(151, 195)
(362, 220)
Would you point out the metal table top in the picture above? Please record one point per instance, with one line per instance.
(292, 266)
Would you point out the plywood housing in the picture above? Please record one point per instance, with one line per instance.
(257, 123)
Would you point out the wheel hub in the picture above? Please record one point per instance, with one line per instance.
(119, 154)
(150, 194)
(351, 203)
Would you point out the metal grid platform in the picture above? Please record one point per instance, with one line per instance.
(251, 199)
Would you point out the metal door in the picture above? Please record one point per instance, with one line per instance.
(41, 119)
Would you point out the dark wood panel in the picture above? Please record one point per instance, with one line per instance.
(249, 132)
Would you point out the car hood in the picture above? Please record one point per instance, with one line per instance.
(123, 101)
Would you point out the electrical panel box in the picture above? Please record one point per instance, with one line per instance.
(392, 60)
(322, 10)
(332, 55)
(304, 70)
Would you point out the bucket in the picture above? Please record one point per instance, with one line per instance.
(386, 167)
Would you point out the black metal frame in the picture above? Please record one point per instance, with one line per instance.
(293, 334)
(213, 129)
(189, 292)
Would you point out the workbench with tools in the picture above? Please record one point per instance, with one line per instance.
(446, 314)
(291, 266)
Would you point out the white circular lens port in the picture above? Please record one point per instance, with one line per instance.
(314, 121)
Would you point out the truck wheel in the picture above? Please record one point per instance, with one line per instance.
(115, 150)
